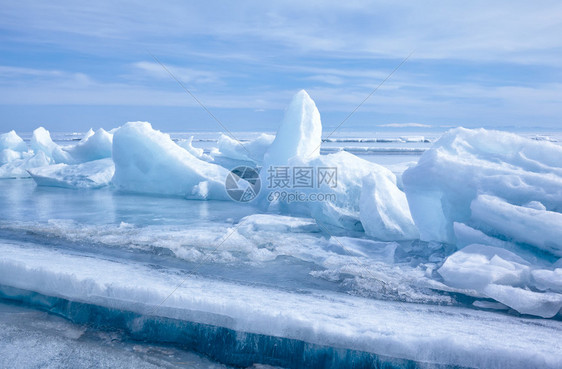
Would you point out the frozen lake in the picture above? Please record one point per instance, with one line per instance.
(164, 269)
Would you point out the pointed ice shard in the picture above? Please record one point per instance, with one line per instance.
(300, 132)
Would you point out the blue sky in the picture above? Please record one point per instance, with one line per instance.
(74, 65)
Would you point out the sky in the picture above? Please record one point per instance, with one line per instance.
(72, 65)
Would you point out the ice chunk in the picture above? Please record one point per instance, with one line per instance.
(148, 161)
(376, 251)
(539, 228)
(195, 151)
(476, 266)
(300, 132)
(490, 305)
(41, 142)
(253, 150)
(93, 146)
(332, 198)
(545, 304)
(12, 141)
(548, 280)
(464, 163)
(503, 276)
(9, 155)
(18, 168)
(92, 174)
(277, 223)
(339, 204)
(384, 209)
(466, 235)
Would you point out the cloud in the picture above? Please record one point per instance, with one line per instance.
(405, 125)
(474, 62)
(153, 69)
(16, 72)
(328, 79)
(500, 31)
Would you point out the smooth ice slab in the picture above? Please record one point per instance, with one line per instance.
(539, 228)
(428, 334)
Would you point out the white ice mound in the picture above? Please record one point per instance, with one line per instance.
(539, 228)
(195, 151)
(12, 149)
(300, 132)
(18, 168)
(340, 200)
(252, 151)
(505, 277)
(8, 155)
(41, 142)
(465, 163)
(148, 161)
(92, 174)
(93, 146)
(11, 141)
(384, 209)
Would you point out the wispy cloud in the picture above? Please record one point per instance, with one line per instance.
(405, 125)
(152, 69)
(474, 62)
